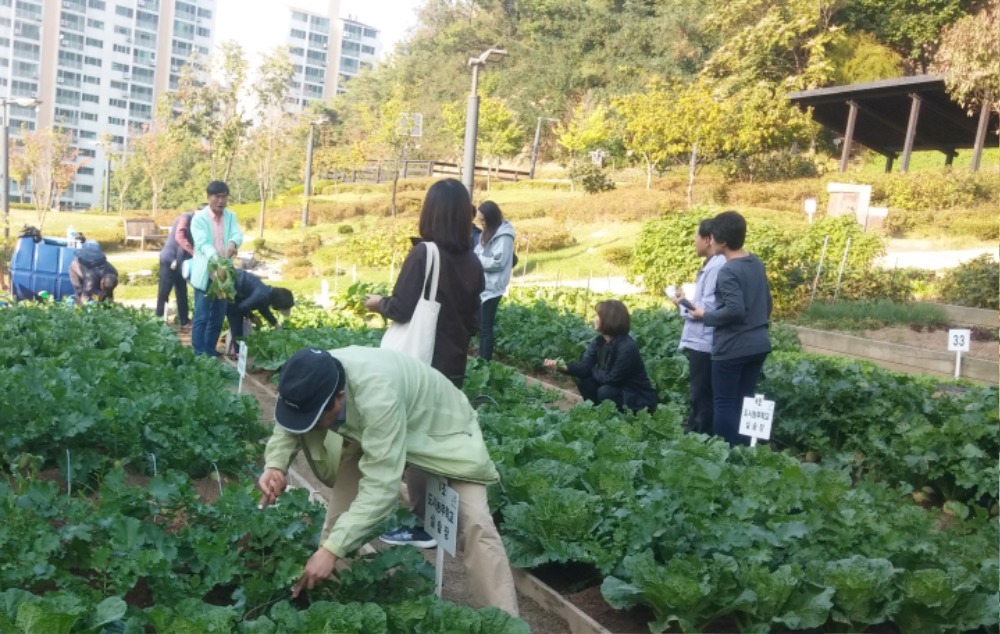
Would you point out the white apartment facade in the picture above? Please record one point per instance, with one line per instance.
(360, 49)
(97, 67)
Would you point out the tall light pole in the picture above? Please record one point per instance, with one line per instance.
(472, 115)
(534, 147)
(105, 144)
(307, 191)
(5, 156)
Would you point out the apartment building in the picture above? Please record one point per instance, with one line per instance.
(97, 68)
(359, 49)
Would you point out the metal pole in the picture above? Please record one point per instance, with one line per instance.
(471, 131)
(534, 149)
(843, 263)
(107, 182)
(5, 152)
(819, 269)
(307, 192)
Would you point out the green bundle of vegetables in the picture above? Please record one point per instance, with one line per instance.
(223, 275)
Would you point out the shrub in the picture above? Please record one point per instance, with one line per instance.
(772, 166)
(543, 238)
(325, 260)
(592, 178)
(664, 252)
(974, 283)
(345, 229)
(378, 247)
(259, 244)
(619, 256)
(304, 246)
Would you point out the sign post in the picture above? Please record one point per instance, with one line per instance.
(241, 363)
(756, 418)
(958, 342)
(441, 522)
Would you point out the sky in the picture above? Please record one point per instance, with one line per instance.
(237, 19)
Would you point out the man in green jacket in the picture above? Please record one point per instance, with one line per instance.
(391, 410)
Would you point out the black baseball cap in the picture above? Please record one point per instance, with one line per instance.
(307, 382)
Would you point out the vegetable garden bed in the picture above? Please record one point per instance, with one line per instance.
(817, 530)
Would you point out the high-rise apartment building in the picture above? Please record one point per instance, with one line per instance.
(98, 68)
(359, 49)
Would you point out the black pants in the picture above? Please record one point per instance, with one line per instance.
(487, 319)
(171, 279)
(732, 381)
(596, 392)
(700, 371)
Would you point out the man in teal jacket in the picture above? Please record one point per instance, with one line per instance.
(391, 410)
(215, 232)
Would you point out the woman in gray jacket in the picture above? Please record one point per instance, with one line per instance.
(495, 250)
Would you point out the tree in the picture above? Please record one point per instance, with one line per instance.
(499, 134)
(783, 42)
(274, 81)
(859, 57)
(588, 129)
(646, 119)
(968, 59)
(210, 113)
(912, 28)
(54, 163)
(157, 150)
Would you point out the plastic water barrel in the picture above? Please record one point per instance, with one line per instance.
(42, 266)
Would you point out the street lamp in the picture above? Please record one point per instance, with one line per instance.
(307, 191)
(24, 102)
(104, 145)
(472, 115)
(534, 148)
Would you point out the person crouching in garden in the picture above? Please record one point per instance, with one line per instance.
(391, 410)
(611, 368)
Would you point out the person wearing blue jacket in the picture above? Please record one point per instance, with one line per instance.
(253, 295)
(216, 233)
(495, 250)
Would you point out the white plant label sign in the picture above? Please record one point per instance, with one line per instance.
(241, 363)
(958, 339)
(756, 418)
(442, 513)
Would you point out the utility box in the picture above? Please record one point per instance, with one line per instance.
(42, 266)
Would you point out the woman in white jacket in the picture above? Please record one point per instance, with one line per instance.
(495, 250)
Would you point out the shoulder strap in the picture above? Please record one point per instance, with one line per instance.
(432, 271)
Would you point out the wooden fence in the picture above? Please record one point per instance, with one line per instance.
(385, 171)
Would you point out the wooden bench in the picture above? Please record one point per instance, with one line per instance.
(143, 229)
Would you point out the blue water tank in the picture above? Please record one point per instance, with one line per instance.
(42, 266)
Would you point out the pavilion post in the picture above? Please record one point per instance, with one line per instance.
(984, 120)
(911, 132)
(845, 152)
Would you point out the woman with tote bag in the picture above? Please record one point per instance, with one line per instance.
(445, 227)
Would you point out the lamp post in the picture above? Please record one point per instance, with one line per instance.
(24, 102)
(307, 191)
(105, 144)
(534, 147)
(472, 115)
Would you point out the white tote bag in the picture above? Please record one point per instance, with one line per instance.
(416, 337)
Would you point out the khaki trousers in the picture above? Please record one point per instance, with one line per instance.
(486, 566)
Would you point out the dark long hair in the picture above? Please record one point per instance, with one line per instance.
(493, 218)
(446, 217)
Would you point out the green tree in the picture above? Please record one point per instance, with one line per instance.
(859, 57)
(499, 136)
(157, 150)
(782, 42)
(588, 129)
(210, 112)
(912, 28)
(968, 59)
(54, 163)
(646, 124)
(271, 88)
